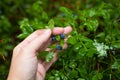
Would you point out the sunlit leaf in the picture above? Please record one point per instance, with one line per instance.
(49, 57)
(51, 23)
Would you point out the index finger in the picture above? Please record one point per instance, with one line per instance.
(59, 30)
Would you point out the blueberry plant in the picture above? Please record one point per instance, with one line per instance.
(93, 46)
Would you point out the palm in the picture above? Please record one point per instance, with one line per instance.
(40, 72)
(43, 66)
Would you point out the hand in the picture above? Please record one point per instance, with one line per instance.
(24, 64)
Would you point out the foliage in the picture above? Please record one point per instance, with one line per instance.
(93, 46)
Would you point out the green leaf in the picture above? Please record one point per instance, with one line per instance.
(116, 65)
(102, 34)
(97, 76)
(77, 46)
(73, 74)
(80, 79)
(62, 42)
(58, 38)
(85, 39)
(51, 23)
(83, 71)
(53, 46)
(72, 64)
(91, 52)
(51, 78)
(37, 6)
(57, 78)
(72, 40)
(64, 9)
(25, 26)
(92, 12)
(44, 15)
(42, 54)
(81, 53)
(116, 44)
(49, 56)
(92, 25)
(23, 35)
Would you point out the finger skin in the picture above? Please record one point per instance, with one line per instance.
(57, 31)
(31, 37)
(68, 30)
(39, 41)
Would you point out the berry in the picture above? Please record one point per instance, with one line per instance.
(58, 47)
(62, 36)
(73, 15)
(53, 38)
(63, 15)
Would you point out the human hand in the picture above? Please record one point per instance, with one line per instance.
(25, 64)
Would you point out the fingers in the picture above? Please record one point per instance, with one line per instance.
(57, 31)
(30, 38)
(66, 30)
(39, 41)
